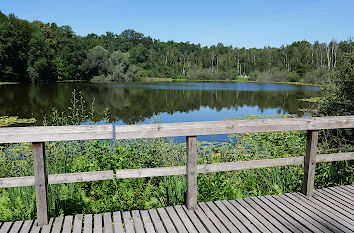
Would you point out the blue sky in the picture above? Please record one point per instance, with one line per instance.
(253, 23)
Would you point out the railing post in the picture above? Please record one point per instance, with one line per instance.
(41, 182)
(191, 201)
(310, 163)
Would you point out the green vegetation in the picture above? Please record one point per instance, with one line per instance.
(145, 193)
(38, 51)
(12, 120)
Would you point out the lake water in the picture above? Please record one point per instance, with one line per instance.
(163, 102)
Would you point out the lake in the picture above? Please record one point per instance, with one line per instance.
(158, 101)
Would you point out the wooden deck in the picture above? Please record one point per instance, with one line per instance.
(329, 210)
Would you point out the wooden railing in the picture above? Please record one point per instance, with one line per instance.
(39, 135)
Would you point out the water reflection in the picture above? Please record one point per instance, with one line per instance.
(174, 102)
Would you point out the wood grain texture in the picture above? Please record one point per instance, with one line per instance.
(231, 126)
(55, 133)
(310, 163)
(40, 179)
(191, 198)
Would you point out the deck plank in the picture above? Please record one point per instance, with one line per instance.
(193, 217)
(88, 223)
(323, 213)
(16, 227)
(349, 188)
(35, 228)
(222, 217)
(300, 220)
(57, 225)
(203, 218)
(341, 189)
(237, 214)
(267, 217)
(97, 223)
(166, 220)
(212, 217)
(320, 196)
(68, 224)
(248, 215)
(149, 227)
(176, 219)
(45, 228)
(78, 223)
(324, 224)
(5, 227)
(185, 220)
(273, 212)
(138, 224)
(341, 198)
(317, 226)
(117, 219)
(107, 223)
(158, 224)
(128, 223)
(26, 227)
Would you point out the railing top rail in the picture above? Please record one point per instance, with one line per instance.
(88, 132)
(231, 126)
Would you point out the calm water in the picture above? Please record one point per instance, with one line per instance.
(171, 102)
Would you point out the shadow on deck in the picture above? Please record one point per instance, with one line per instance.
(329, 210)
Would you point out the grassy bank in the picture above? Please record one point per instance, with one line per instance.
(146, 193)
(8, 83)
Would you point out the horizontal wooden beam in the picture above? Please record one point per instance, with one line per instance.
(58, 178)
(230, 166)
(231, 126)
(55, 133)
(169, 171)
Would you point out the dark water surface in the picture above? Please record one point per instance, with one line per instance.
(171, 102)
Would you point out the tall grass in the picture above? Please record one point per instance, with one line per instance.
(146, 193)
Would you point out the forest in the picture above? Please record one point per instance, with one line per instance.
(37, 52)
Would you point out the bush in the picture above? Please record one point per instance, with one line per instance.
(318, 76)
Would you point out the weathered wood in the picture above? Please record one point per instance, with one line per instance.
(117, 219)
(327, 208)
(204, 219)
(191, 197)
(107, 223)
(222, 217)
(192, 216)
(157, 221)
(169, 171)
(80, 177)
(230, 216)
(249, 216)
(319, 195)
(306, 213)
(45, 228)
(184, 218)
(5, 227)
(339, 199)
(310, 163)
(78, 223)
(35, 228)
(16, 227)
(97, 223)
(41, 182)
(279, 221)
(138, 224)
(176, 220)
(88, 223)
(68, 224)
(26, 226)
(55, 133)
(332, 222)
(149, 227)
(128, 224)
(342, 194)
(231, 126)
(213, 217)
(57, 225)
(308, 222)
(258, 216)
(166, 220)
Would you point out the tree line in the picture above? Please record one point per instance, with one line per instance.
(37, 51)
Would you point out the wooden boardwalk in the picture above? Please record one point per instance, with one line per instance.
(329, 210)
